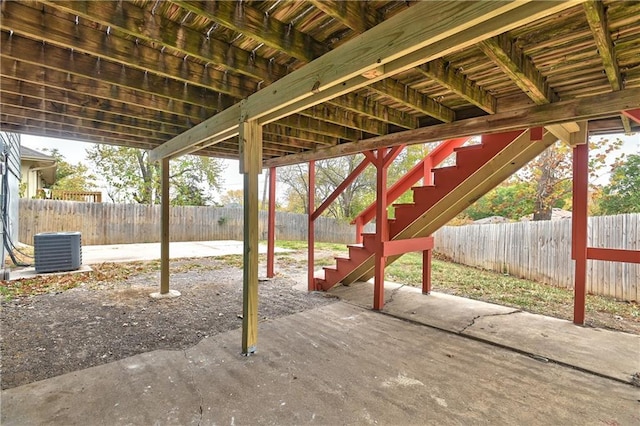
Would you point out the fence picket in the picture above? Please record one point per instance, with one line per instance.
(106, 223)
(541, 251)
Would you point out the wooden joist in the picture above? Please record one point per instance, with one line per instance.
(30, 22)
(443, 73)
(587, 108)
(127, 18)
(27, 59)
(413, 99)
(259, 27)
(356, 15)
(519, 67)
(397, 44)
(596, 16)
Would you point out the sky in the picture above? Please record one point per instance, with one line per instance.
(74, 152)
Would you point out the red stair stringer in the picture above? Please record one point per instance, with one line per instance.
(479, 168)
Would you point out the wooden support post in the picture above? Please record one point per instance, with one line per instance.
(428, 168)
(271, 231)
(311, 286)
(426, 271)
(359, 229)
(250, 166)
(579, 226)
(164, 218)
(381, 229)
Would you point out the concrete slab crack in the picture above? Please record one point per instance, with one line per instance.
(474, 319)
(393, 293)
(195, 385)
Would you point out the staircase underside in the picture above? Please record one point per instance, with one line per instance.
(454, 190)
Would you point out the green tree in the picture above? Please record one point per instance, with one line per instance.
(131, 177)
(547, 179)
(232, 197)
(622, 194)
(70, 177)
(330, 174)
(511, 199)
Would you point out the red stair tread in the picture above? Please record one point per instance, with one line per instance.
(468, 160)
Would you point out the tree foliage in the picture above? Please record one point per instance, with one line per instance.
(543, 184)
(622, 194)
(232, 197)
(329, 175)
(131, 177)
(71, 177)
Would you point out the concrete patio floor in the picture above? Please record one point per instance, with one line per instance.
(344, 364)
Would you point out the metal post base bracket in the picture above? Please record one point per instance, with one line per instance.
(251, 350)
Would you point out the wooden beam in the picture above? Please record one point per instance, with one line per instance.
(29, 22)
(401, 42)
(256, 25)
(519, 67)
(594, 10)
(494, 25)
(443, 73)
(142, 24)
(413, 99)
(597, 19)
(356, 15)
(250, 165)
(398, 36)
(523, 72)
(224, 125)
(128, 18)
(587, 108)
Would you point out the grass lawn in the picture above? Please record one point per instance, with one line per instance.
(474, 283)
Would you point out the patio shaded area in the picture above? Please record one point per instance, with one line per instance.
(343, 364)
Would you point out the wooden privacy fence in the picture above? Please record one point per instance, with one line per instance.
(541, 251)
(106, 223)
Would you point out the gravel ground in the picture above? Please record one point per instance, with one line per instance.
(52, 334)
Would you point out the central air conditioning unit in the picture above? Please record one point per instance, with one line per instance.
(57, 251)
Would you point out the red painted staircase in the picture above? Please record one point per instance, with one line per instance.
(478, 169)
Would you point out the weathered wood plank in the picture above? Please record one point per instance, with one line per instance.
(539, 251)
(258, 26)
(519, 67)
(340, 117)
